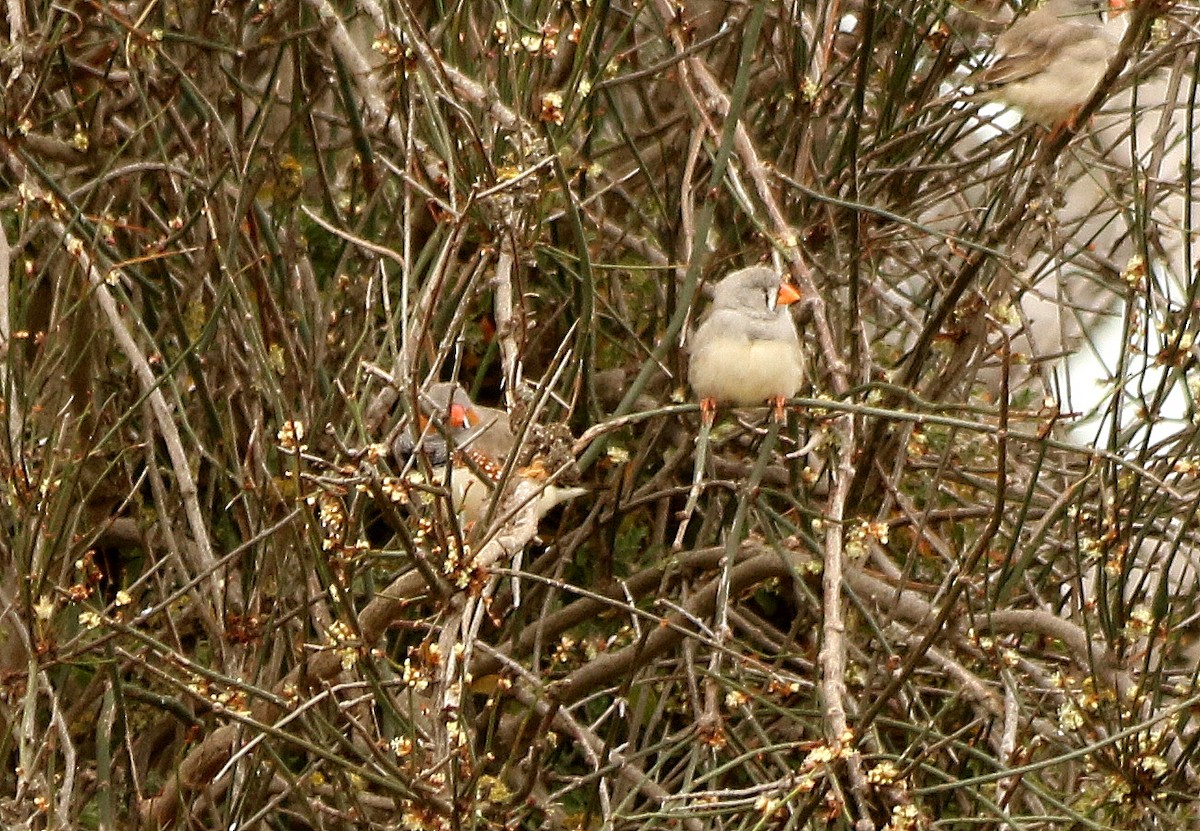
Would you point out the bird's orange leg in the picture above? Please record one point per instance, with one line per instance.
(779, 408)
(708, 411)
(1071, 122)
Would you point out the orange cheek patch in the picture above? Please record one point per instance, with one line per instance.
(460, 416)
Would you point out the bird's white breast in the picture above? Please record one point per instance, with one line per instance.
(1048, 97)
(743, 372)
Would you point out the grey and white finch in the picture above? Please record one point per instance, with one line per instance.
(746, 350)
(472, 426)
(480, 440)
(1050, 61)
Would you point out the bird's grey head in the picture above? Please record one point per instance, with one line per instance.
(437, 400)
(753, 289)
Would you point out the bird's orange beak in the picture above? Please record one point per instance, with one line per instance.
(788, 294)
(1117, 5)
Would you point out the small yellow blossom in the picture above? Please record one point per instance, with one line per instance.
(1187, 465)
(413, 676)
(385, 45)
(1134, 274)
(1006, 313)
(44, 608)
(1154, 765)
(1070, 718)
(904, 818)
(809, 90)
(290, 435)
(878, 530)
(277, 359)
(918, 444)
(492, 789)
(552, 108)
(819, 755)
(884, 773)
(768, 806)
(617, 454)
(1141, 619)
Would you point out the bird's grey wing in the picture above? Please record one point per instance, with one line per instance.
(725, 324)
(778, 327)
(433, 447)
(492, 436)
(719, 323)
(1031, 52)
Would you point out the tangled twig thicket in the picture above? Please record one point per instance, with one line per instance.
(957, 588)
